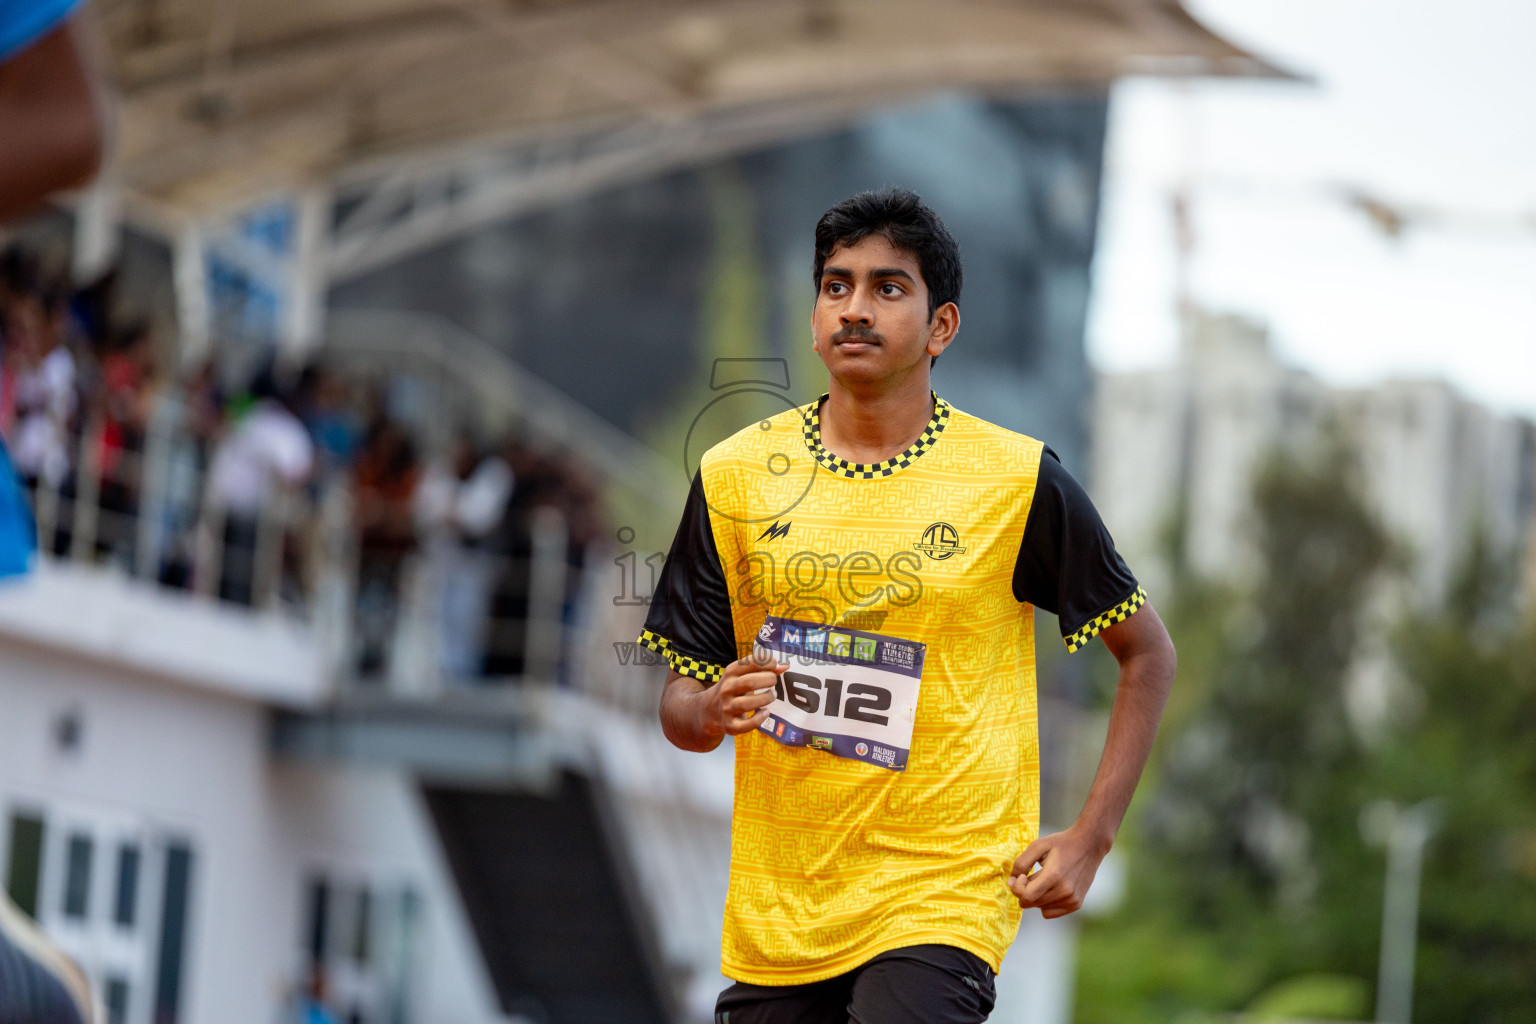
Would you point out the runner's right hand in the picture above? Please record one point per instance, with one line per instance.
(733, 705)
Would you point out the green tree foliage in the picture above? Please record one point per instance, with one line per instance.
(1248, 869)
(1473, 745)
(1252, 769)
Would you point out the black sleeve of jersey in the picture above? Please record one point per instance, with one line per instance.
(690, 617)
(1067, 562)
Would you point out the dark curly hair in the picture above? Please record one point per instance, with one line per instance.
(900, 216)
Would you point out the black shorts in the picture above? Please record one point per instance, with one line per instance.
(914, 985)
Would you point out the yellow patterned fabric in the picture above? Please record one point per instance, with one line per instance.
(834, 861)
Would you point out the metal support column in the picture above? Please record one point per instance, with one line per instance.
(98, 230)
(304, 318)
(194, 315)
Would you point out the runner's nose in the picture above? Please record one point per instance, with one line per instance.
(858, 310)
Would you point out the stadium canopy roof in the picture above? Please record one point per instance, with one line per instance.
(223, 102)
(384, 127)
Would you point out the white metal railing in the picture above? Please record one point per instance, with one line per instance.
(300, 555)
(149, 511)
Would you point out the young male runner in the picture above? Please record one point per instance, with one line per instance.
(911, 560)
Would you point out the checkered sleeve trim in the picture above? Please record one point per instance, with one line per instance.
(682, 664)
(1119, 613)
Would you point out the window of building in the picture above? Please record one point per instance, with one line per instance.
(116, 998)
(77, 877)
(362, 934)
(319, 919)
(125, 907)
(361, 944)
(113, 892)
(173, 933)
(25, 872)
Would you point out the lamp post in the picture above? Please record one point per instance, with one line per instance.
(1404, 832)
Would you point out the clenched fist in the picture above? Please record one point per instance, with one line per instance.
(696, 717)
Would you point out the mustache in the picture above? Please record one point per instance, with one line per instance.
(854, 332)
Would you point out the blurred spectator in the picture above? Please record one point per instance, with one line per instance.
(384, 492)
(312, 1008)
(557, 482)
(188, 419)
(582, 508)
(135, 456)
(460, 504)
(42, 395)
(332, 423)
(92, 305)
(125, 407)
(266, 450)
(506, 636)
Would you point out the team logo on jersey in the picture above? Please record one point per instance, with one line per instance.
(862, 749)
(775, 531)
(940, 541)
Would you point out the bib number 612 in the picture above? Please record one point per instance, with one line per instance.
(859, 705)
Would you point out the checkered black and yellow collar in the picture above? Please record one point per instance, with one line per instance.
(859, 471)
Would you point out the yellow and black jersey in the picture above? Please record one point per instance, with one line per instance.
(953, 543)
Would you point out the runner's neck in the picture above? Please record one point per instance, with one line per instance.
(870, 428)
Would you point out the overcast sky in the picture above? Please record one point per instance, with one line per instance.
(1428, 104)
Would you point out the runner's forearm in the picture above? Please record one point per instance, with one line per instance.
(681, 719)
(1147, 665)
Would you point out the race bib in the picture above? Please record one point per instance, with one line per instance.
(850, 693)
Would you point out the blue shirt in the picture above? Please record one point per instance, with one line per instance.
(314, 1013)
(23, 22)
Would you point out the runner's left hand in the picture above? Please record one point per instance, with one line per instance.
(1068, 861)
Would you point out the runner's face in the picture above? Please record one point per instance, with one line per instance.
(870, 321)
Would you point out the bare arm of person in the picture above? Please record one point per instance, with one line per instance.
(1069, 859)
(697, 717)
(51, 121)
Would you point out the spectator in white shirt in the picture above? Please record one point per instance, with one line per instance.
(266, 450)
(459, 505)
(44, 397)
